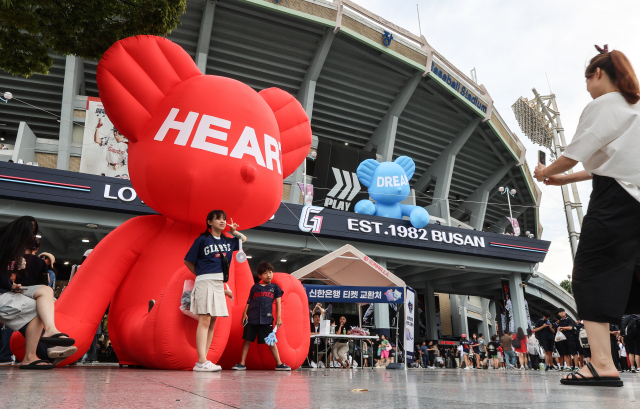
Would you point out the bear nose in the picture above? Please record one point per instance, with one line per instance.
(248, 172)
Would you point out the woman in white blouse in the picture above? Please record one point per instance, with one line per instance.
(607, 263)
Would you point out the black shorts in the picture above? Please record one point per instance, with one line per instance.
(567, 347)
(636, 344)
(546, 344)
(608, 255)
(261, 331)
(579, 348)
(586, 352)
(629, 345)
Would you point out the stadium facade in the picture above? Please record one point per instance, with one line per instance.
(369, 88)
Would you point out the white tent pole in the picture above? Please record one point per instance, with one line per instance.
(404, 326)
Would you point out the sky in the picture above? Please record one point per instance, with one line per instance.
(514, 47)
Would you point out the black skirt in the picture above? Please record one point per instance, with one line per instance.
(605, 271)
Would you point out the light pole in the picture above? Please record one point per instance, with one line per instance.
(511, 192)
(539, 119)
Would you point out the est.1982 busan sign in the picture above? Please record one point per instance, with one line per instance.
(326, 222)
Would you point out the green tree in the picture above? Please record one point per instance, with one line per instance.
(566, 284)
(31, 29)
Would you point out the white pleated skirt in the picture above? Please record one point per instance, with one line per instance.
(208, 298)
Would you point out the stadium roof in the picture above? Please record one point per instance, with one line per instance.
(361, 82)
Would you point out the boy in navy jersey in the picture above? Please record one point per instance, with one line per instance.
(258, 316)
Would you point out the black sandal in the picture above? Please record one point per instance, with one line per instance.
(57, 341)
(576, 378)
(35, 365)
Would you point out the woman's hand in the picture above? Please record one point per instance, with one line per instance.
(229, 294)
(538, 173)
(279, 322)
(233, 227)
(17, 288)
(244, 318)
(556, 180)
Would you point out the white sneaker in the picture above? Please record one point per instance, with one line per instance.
(467, 368)
(313, 364)
(321, 364)
(207, 367)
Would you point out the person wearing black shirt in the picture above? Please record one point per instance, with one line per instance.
(492, 351)
(341, 347)
(566, 348)
(317, 344)
(258, 316)
(545, 333)
(21, 291)
(431, 351)
(475, 346)
(465, 351)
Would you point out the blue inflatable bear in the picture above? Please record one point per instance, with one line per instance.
(388, 184)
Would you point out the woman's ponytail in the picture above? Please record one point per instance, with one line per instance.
(619, 69)
(626, 79)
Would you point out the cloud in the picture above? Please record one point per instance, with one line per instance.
(516, 46)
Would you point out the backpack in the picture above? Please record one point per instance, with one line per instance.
(584, 341)
(533, 346)
(516, 343)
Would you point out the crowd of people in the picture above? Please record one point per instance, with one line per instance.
(346, 353)
(557, 342)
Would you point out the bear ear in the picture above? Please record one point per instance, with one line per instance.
(365, 171)
(295, 129)
(407, 164)
(135, 75)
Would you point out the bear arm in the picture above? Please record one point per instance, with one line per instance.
(365, 207)
(418, 216)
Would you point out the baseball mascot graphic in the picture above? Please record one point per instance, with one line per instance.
(230, 149)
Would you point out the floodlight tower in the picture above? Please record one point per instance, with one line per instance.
(539, 119)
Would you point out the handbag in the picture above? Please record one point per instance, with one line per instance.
(516, 343)
(560, 337)
(224, 263)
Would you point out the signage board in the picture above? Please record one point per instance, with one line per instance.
(335, 180)
(325, 222)
(105, 151)
(409, 326)
(339, 293)
(72, 189)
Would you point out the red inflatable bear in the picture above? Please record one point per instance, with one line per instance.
(197, 143)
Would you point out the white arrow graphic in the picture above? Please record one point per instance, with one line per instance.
(345, 192)
(334, 191)
(356, 187)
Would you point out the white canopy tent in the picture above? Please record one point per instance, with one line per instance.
(348, 266)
